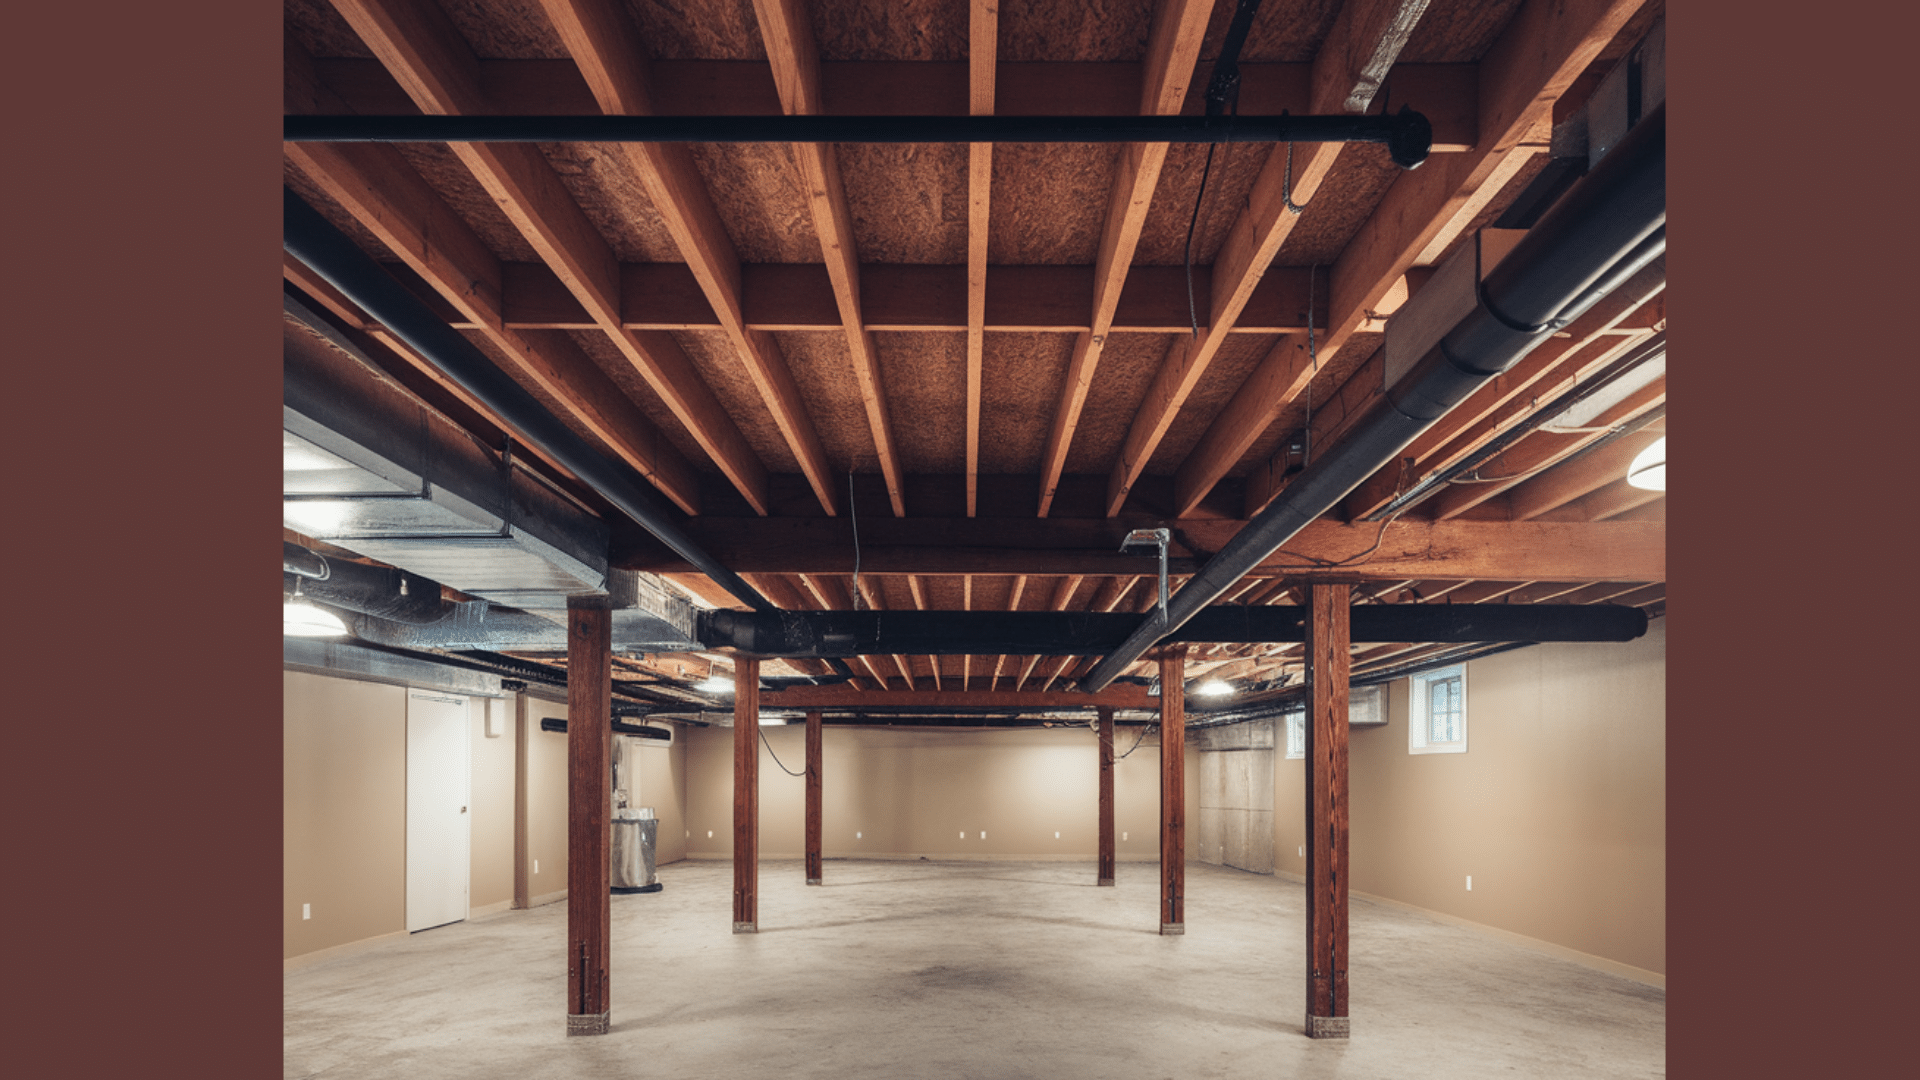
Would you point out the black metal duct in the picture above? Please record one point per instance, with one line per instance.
(620, 727)
(823, 634)
(1407, 134)
(1610, 225)
(314, 241)
(384, 592)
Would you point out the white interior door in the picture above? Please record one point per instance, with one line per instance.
(439, 819)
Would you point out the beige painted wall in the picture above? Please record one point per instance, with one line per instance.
(344, 811)
(491, 882)
(663, 770)
(910, 791)
(1557, 809)
(546, 803)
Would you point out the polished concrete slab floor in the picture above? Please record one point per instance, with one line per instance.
(964, 969)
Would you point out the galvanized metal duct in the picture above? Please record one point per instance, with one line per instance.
(1610, 225)
(314, 241)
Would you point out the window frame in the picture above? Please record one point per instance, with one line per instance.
(1292, 722)
(1419, 720)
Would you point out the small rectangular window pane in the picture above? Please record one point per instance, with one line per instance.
(1443, 710)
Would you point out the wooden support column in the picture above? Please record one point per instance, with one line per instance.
(589, 800)
(1173, 790)
(814, 876)
(746, 796)
(1328, 657)
(1105, 873)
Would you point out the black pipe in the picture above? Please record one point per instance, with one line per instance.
(1408, 134)
(1605, 229)
(620, 727)
(314, 241)
(822, 634)
(380, 591)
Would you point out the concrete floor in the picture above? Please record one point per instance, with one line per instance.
(962, 969)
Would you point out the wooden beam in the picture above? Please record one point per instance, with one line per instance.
(746, 796)
(1173, 46)
(795, 59)
(589, 865)
(1572, 479)
(1408, 548)
(1103, 871)
(907, 297)
(1124, 696)
(1445, 93)
(983, 48)
(1365, 40)
(1369, 28)
(601, 38)
(381, 191)
(1173, 790)
(815, 872)
(1605, 502)
(1619, 322)
(425, 52)
(1536, 58)
(1542, 451)
(1329, 656)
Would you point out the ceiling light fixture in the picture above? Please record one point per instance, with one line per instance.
(715, 684)
(302, 619)
(1649, 468)
(1213, 688)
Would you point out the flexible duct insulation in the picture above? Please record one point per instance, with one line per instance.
(1607, 228)
(390, 594)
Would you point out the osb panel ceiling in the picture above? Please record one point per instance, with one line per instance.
(1130, 415)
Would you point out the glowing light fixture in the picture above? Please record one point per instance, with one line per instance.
(1649, 468)
(1213, 688)
(715, 684)
(302, 619)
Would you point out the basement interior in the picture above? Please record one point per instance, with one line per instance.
(944, 538)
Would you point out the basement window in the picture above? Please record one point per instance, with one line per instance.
(1437, 718)
(1296, 734)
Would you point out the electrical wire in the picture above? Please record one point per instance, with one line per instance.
(853, 510)
(1144, 732)
(774, 756)
(1193, 314)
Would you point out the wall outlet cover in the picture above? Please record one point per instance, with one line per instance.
(306, 911)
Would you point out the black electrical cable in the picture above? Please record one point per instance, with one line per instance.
(1144, 732)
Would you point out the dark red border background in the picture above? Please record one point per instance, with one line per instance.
(144, 749)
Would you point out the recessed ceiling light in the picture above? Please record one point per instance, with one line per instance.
(1213, 688)
(305, 620)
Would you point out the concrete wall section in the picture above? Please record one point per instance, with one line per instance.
(1557, 809)
(908, 791)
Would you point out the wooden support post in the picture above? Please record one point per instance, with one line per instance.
(589, 798)
(814, 876)
(1105, 874)
(1328, 658)
(1173, 790)
(746, 796)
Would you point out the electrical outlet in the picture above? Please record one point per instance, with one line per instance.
(1123, 836)
(536, 866)
(709, 834)
(306, 911)
(963, 836)
(983, 834)
(1303, 851)
(1469, 882)
(856, 836)
(1056, 835)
